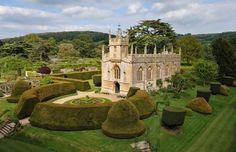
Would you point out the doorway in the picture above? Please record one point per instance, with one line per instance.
(117, 87)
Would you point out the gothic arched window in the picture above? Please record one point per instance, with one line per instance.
(158, 72)
(117, 72)
(166, 70)
(140, 74)
(149, 73)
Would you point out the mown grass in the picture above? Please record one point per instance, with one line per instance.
(200, 133)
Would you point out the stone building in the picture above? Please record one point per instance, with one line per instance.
(123, 67)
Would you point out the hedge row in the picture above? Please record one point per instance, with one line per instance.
(173, 116)
(143, 103)
(18, 89)
(33, 96)
(69, 117)
(78, 75)
(97, 79)
(81, 85)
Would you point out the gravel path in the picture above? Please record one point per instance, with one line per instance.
(80, 94)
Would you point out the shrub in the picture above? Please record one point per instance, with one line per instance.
(1, 93)
(227, 80)
(189, 112)
(132, 91)
(123, 121)
(215, 88)
(33, 96)
(173, 116)
(224, 90)
(78, 75)
(18, 89)
(200, 105)
(143, 103)
(205, 93)
(97, 79)
(44, 70)
(234, 84)
(81, 85)
(46, 80)
(69, 117)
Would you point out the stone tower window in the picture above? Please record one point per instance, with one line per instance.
(140, 74)
(149, 73)
(117, 72)
(158, 72)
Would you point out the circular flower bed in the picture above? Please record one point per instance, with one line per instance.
(88, 100)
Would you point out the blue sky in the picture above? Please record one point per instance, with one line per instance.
(20, 17)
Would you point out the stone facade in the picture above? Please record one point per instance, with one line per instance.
(123, 68)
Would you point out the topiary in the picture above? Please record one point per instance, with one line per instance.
(132, 91)
(227, 80)
(234, 84)
(173, 116)
(215, 88)
(143, 102)
(97, 79)
(1, 93)
(205, 93)
(200, 105)
(224, 90)
(44, 70)
(18, 89)
(123, 121)
(189, 112)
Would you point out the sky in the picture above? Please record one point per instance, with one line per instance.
(20, 17)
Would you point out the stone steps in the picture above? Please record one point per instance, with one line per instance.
(7, 130)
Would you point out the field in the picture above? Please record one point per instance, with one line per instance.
(200, 133)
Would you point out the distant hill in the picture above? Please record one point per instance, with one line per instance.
(60, 36)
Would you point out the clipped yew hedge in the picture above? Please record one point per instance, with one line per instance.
(97, 79)
(205, 93)
(215, 88)
(86, 75)
(173, 116)
(132, 91)
(31, 97)
(143, 103)
(18, 89)
(69, 117)
(81, 85)
(227, 80)
(123, 121)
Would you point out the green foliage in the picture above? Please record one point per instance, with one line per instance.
(123, 121)
(1, 94)
(33, 96)
(132, 91)
(46, 80)
(67, 50)
(227, 80)
(206, 71)
(173, 116)
(205, 93)
(86, 75)
(191, 48)
(18, 89)
(97, 79)
(200, 105)
(152, 32)
(215, 87)
(69, 117)
(225, 57)
(81, 85)
(143, 102)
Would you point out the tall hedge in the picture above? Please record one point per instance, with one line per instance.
(97, 79)
(173, 116)
(33, 96)
(81, 85)
(78, 75)
(69, 117)
(143, 103)
(18, 89)
(123, 121)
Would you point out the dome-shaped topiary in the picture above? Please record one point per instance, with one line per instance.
(18, 89)
(224, 90)
(123, 121)
(200, 105)
(44, 70)
(143, 103)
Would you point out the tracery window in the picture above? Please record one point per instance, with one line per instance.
(149, 73)
(117, 72)
(140, 74)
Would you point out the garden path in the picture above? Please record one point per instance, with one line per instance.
(80, 94)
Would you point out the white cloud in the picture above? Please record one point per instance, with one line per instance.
(136, 8)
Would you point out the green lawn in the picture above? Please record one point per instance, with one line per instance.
(200, 133)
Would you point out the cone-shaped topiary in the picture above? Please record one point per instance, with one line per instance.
(19, 88)
(205, 93)
(173, 116)
(227, 80)
(123, 121)
(224, 90)
(200, 105)
(132, 91)
(143, 103)
(215, 88)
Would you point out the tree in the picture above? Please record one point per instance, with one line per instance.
(191, 48)
(67, 50)
(225, 57)
(206, 53)
(152, 32)
(206, 71)
(85, 46)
